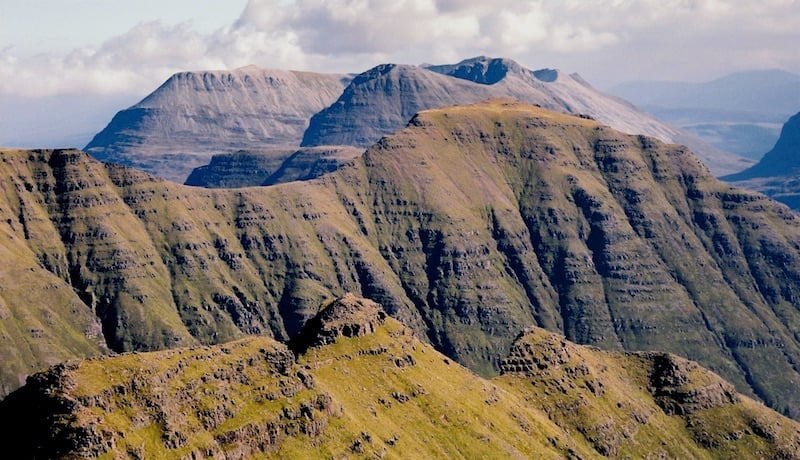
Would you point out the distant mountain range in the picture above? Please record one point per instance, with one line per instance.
(470, 225)
(196, 115)
(740, 113)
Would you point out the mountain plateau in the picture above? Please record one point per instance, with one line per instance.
(195, 115)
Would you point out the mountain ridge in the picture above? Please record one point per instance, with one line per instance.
(555, 220)
(195, 115)
(383, 99)
(360, 384)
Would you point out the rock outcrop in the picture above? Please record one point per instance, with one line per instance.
(195, 115)
(617, 401)
(470, 225)
(348, 316)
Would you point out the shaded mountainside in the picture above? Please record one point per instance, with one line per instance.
(245, 168)
(275, 166)
(382, 100)
(360, 385)
(777, 175)
(549, 219)
(195, 115)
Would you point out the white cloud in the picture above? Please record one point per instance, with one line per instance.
(604, 38)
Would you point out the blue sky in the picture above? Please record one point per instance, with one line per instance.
(113, 50)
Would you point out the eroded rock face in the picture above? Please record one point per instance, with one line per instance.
(681, 387)
(348, 316)
(85, 409)
(382, 393)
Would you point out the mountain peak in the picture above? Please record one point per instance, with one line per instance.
(481, 69)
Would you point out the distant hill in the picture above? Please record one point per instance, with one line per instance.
(360, 385)
(778, 173)
(195, 115)
(470, 225)
(383, 99)
(740, 113)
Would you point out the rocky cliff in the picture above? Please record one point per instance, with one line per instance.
(195, 115)
(360, 385)
(552, 220)
(273, 166)
(383, 99)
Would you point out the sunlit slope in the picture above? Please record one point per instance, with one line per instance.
(363, 386)
(468, 226)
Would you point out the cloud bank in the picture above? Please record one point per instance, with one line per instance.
(607, 41)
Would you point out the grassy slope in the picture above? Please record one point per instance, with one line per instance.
(42, 320)
(470, 225)
(382, 394)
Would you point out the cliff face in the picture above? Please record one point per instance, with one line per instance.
(270, 167)
(550, 220)
(358, 384)
(195, 115)
(382, 100)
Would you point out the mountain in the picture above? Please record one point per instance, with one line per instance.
(383, 99)
(194, 115)
(360, 385)
(741, 113)
(553, 220)
(776, 175)
(783, 159)
(268, 167)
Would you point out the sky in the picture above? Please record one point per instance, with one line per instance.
(117, 51)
